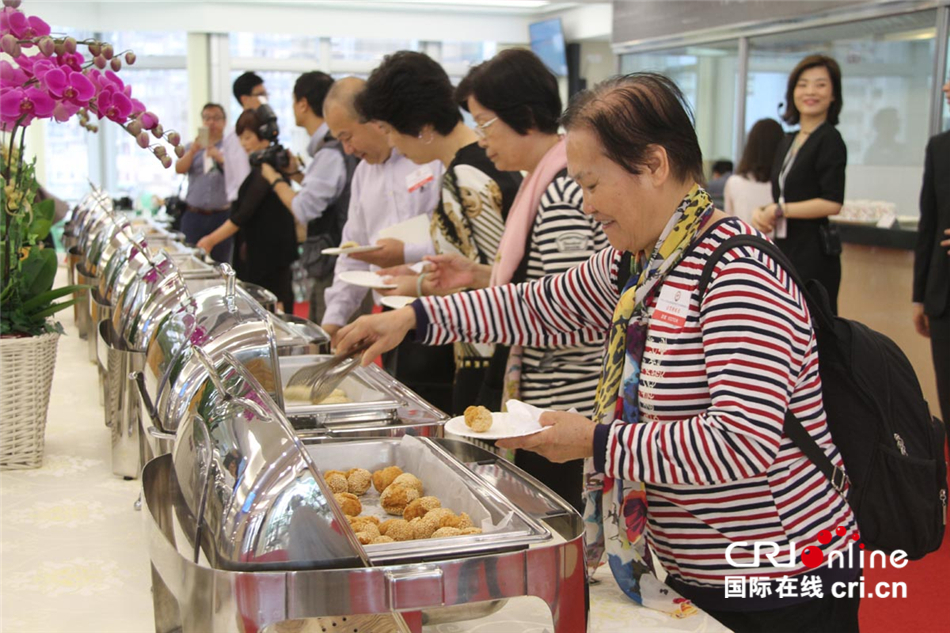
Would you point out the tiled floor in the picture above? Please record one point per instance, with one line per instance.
(73, 556)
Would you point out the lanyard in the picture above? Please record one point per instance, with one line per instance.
(790, 157)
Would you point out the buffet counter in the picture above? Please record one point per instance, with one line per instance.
(91, 552)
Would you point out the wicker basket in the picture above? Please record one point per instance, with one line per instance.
(26, 375)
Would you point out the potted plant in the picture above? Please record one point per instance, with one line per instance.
(49, 78)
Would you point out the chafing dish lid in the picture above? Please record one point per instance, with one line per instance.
(258, 499)
(225, 319)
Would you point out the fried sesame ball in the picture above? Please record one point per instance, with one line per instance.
(395, 499)
(420, 506)
(358, 481)
(382, 478)
(350, 503)
(409, 480)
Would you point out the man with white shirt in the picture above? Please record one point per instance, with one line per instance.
(248, 90)
(387, 189)
(321, 204)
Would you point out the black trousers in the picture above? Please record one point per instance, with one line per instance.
(940, 348)
(277, 280)
(821, 615)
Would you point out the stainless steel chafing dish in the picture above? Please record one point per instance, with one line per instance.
(242, 534)
(380, 405)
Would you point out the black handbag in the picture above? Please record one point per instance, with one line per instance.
(830, 239)
(318, 265)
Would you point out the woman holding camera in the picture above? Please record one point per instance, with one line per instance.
(808, 175)
(266, 242)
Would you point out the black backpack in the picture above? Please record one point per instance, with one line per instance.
(893, 449)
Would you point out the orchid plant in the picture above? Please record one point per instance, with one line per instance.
(51, 78)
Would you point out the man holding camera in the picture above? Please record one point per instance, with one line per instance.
(321, 203)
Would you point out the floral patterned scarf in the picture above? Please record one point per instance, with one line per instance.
(615, 509)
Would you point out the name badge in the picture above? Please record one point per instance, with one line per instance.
(781, 229)
(672, 306)
(419, 177)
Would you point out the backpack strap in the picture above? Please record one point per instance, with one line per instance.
(624, 270)
(822, 317)
(793, 426)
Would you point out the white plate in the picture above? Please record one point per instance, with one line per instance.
(366, 279)
(397, 301)
(501, 428)
(350, 249)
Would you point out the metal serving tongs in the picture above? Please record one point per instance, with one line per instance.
(323, 377)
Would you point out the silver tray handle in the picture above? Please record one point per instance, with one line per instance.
(414, 587)
(155, 430)
(230, 285)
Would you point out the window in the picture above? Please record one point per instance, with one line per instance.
(364, 50)
(887, 79)
(470, 53)
(137, 171)
(274, 46)
(67, 159)
(707, 76)
(148, 43)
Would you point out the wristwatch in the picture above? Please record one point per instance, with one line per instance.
(278, 181)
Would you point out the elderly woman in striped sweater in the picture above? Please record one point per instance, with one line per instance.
(686, 447)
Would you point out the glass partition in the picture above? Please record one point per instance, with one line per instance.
(707, 76)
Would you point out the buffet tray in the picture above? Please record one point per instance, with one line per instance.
(505, 525)
(368, 391)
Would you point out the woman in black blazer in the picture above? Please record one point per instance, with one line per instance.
(266, 243)
(808, 175)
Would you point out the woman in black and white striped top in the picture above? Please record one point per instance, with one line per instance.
(515, 102)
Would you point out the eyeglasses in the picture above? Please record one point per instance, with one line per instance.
(214, 117)
(481, 127)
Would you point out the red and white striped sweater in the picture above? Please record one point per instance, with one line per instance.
(713, 395)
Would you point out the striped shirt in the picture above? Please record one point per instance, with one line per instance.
(717, 466)
(562, 237)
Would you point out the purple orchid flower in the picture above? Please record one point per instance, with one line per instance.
(137, 106)
(148, 120)
(11, 76)
(64, 110)
(26, 104)
(114, 78)
(38, 26)
(114, 105)
(68, 85)
(16, 23)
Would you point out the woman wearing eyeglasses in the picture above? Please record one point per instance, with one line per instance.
(411, 98)
(515, 102)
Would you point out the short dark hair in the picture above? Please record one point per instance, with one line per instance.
(209, 106)
(245, 84)
(791, 115)
(409, 90)
(722, 166)
(631, 112)
(517, 86)
(760, 148)
(313, 87)
(249, 121)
